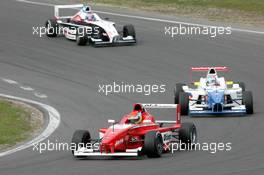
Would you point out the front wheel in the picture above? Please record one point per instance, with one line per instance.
(51, 28)
(80, 138)
(81, 37)
(129, 30)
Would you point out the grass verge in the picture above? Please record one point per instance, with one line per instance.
(234, 11)
(242, 5)
(17, 123)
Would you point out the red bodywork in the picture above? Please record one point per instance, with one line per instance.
(123, 136)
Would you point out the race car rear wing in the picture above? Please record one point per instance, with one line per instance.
(58, 7)
(205, 69)
(165, 106)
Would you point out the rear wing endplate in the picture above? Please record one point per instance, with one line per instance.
(58, 7)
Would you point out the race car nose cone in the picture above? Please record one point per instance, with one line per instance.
(215, 97)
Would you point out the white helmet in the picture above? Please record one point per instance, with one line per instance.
(86, 9)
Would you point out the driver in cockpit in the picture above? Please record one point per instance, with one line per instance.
(211, 80)
(84, 15)
(135, 117)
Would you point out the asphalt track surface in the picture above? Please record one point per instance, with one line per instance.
(70, 75)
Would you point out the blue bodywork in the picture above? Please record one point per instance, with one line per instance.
(215, 97)
(216, 100)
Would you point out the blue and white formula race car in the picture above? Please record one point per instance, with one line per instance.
(213, 95)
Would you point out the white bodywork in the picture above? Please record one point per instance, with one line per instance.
(108, 26)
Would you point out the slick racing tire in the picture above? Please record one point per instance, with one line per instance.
(129, 30)
(247, 100)
(51, 28)
(242, 85)
(103, 35)
(177, 90)
(81, 37)
(153, 144)
(80, 138)
(184, 103)
(188, 135)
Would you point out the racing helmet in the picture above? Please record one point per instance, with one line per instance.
(86, 9)
(211, 80)
(135, 117)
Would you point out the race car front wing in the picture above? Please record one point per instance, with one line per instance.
(116, 42)
(90, 152)
(239, 110)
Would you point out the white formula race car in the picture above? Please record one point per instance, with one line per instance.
(86, 27)
(213, 95)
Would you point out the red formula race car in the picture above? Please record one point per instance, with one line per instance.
(137, 133)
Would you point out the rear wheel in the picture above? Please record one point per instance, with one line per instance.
(188, 134)
(129, 30)
(51, 28)
(184, 103)
(80, 138)
(177, 90)
(247, 100)
(242, 85)
(153, 144)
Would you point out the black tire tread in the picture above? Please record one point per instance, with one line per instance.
(247, 100)
(184, 103)
(81, 136)
(185, 132)
(54, 25)
(150, 144)
(129, 30)
(242, 85)
(81, 40)
(177, 90)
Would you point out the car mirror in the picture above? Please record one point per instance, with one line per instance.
(111, 121)
(106, 18)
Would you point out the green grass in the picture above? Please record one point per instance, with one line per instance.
(242, 5)
(14, 124)
(249, 12)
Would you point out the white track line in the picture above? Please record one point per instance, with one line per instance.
(9, 81)
(39, 95)
(148, 18)
(54, 121)
(36, 3)
(26, 88)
